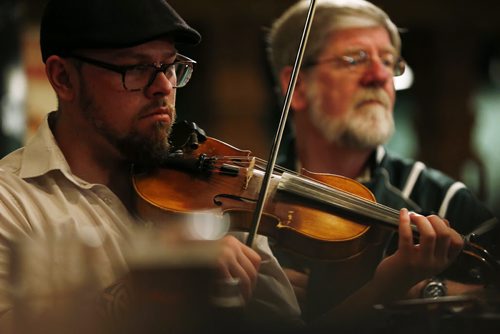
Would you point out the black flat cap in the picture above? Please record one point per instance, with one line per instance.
(96, 24)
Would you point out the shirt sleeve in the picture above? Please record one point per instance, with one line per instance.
(12, 225)
(273, 301)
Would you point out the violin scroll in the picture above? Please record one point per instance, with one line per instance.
(186, 137)
(475, 265)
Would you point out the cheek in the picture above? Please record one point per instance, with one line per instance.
(119, 110)
(336, 95)
(392, 96)
(391, 91)
(171, 97)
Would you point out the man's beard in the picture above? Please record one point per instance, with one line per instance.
(362, 126)
(134, 147)
(145, 151)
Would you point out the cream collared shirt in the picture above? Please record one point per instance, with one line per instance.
(40, 196)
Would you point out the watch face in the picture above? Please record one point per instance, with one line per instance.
(434, 289)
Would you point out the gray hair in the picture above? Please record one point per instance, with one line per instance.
(330, 15)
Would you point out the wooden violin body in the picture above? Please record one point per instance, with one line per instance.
(310, 229)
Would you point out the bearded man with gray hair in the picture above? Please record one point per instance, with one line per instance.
(342, 116)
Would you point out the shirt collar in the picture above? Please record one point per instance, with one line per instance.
(375, 161)
(42, 154)
(379, 155)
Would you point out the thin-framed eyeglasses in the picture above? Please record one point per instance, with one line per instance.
(360, 60)
(141, 76)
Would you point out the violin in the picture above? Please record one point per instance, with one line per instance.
(320, 216)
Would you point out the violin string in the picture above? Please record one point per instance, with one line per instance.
(367, 205)
(261, 163)
(316, 190)
(364, 204)
(245, 162)
(328, 193)
(342, 201)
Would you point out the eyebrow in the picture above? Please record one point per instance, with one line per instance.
(360, 48)
(143, 57)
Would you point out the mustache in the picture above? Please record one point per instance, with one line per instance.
(156, 104)
(371, 94)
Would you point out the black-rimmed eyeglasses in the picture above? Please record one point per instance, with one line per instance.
(140, 76)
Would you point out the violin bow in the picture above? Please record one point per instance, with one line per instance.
(257, 214)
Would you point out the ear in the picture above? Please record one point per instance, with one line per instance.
(62, 76)
(299, 99)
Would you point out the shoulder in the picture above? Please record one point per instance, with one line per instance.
(11, 163)
(12, 185)
(403, 171)
(436, 192)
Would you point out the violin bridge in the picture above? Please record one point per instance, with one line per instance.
(249, 175)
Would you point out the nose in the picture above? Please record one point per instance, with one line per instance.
(376, 73)
(160, 85)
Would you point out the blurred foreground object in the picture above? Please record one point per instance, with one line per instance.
(171, 286)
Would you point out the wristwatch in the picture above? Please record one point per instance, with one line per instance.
(434, 288)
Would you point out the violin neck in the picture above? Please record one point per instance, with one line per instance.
(340, 200)
(483, 263)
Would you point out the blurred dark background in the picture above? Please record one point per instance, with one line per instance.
(448, 117)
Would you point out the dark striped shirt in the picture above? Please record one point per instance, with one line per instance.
(398, 183)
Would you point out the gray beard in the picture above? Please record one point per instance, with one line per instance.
(359, 132)
(361, 129)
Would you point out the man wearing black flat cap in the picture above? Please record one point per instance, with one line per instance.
(115, 68)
